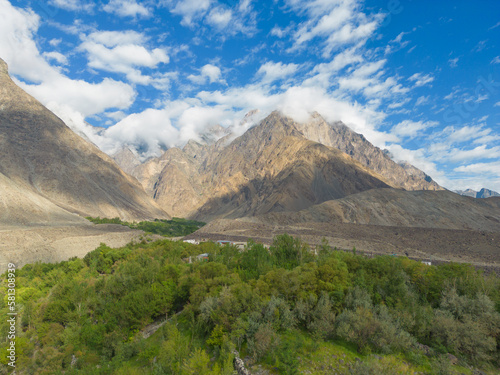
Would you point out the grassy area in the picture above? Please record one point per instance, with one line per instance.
(169, 228)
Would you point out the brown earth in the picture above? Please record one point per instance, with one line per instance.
(23, 245)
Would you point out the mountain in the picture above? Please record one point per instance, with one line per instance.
(341, 137)
(48, 172)
(126, 159)
(272, 167)
(399, 208)
(483, 193)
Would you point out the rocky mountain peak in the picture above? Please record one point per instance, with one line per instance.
(341, 137)
(4, 69)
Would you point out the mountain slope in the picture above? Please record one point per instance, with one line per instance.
(339, 136)
(44, 157)
(270, 168)
(392, 207)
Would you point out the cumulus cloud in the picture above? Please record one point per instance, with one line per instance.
(190, 10)
(408, 128)
(17, 47)
(220, 17)
(56, 56)
(271, 71)
(208, 73)
(122, 52)
(479, 168)
(131, 130)
(84, 97)
(126, 8)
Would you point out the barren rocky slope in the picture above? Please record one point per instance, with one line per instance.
(392, 207)
(270, 168)
(47, 169)
(340, 136)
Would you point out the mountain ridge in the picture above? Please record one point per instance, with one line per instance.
(272, 164)
(42, 156)
(483, 193)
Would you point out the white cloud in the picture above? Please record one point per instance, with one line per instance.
(494, 26)
(480, 152)
(496, 60)
(369, 79)
(280, 32)
(131, 130)
(464, 134)
(55, 42)
(122, 52)
(422, 100)
(271, 71)
(116, 38)
(219, 17)
(408, 128)
(497, 104)
(208, 73)
(72, 4)
(17, 47)
(323, 73)
(84, 97)
(453, 62)
(72, 100)
(395, 105)
(479, 168)
(338, 22)
(126, 8)
(59, 57)
(419, 159)
(190, 10)
(421, 79)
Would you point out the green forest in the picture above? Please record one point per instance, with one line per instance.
(285, 309)
(176, 227)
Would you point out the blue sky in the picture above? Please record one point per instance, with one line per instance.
(421, 79)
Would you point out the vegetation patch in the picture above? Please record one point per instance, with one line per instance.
(176, 227)
(283, 309)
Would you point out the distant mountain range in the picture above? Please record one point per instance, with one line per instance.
(483, 193)
(278, 171)
(277, 165)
